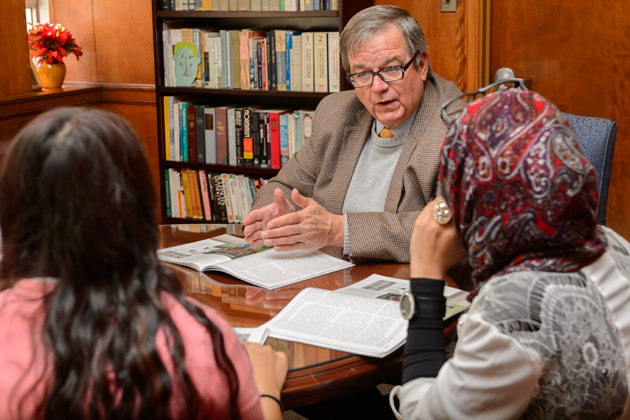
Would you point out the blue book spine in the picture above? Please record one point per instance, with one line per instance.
(183, 124)
(288, 39)
(284, 139)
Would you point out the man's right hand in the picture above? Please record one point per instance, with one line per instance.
(256, 221)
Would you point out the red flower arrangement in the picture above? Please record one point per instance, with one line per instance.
(52, 43)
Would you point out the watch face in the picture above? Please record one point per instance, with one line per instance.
(407, 305)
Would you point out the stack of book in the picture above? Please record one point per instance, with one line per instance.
(233, 135)
(250, 5)
(255, 59)
(207, 196)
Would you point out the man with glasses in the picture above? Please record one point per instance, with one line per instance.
(355, 186)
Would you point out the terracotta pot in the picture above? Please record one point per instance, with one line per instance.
(51, 75)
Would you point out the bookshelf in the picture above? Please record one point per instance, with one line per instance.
(305, 21)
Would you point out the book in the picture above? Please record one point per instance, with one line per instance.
(248, 136)
(274, 137)
(191, 132)
(187, 203)
(235, 198)
(307, 62)
(284, 138)
(167, 190)
(210, 134)
(320, 61)
(238, 135)
(173, 192)
(231, 135)
(214, 62)
(223, 41)
(200, 127)
(295, 63)
(244, 6)
(195, 191)
(263, 124)
(272, 76)
(222, 134)
(205, 194)
(232, 5)
(218, 197)
(228, 197)
(263, 267)
(235, 59)
(256, 142)
(281, 59)
(363, 318)
(166, 114)
(334, 72)
(256, 5)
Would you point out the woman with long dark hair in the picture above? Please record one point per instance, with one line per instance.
(547, 335)
(91, 324)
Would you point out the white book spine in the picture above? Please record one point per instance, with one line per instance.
(333, 62)
(321, 61)
(296, 63)
(307, 62)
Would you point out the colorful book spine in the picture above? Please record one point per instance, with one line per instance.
(228, 197)
(205, 194)
(284, 139)
(200, 128)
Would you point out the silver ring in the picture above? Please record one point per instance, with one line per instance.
(442, 212)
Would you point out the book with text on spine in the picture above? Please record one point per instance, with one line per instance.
(262, 266)
(363, 318)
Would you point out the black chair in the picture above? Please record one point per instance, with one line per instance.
(597, 138)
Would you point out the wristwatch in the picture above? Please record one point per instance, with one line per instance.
(407, 305)
(420, 305)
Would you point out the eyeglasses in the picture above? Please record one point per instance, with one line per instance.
(500, 85)
(388, 74)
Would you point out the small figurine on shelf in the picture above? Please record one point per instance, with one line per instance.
(52, 42)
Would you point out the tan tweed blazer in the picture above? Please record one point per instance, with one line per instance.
(323, 168)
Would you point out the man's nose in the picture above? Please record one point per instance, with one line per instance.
(378, 84)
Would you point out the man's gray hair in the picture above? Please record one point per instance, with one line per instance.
(373, 21)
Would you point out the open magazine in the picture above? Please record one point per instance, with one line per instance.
(363, 318)
(261, 266)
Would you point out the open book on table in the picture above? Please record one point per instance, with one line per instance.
(261, 266)
(363, 318)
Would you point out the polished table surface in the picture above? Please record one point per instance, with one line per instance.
(315, 373)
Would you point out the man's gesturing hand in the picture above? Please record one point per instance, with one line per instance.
(310, 228)
(256, 221)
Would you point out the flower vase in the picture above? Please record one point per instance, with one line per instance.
(51, 75)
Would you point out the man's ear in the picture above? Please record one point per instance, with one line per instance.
(424, 65)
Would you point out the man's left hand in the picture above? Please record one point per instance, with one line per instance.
(310, 228)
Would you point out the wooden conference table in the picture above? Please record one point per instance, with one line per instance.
(315, 373)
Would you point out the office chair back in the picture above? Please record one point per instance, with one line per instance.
(597, 138)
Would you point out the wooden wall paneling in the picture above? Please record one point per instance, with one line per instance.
(576, 54)
(77, 16)
(124, 41)
(15, 72)
(137, 105)
(453, 38)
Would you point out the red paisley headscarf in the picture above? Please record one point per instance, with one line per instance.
(523, 195)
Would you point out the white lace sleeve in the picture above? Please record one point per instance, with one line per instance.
(491, 375)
